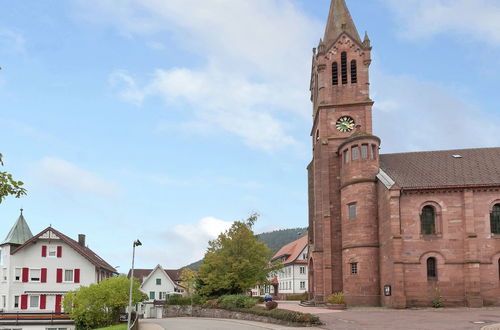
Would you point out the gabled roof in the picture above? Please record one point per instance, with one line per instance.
(19, 233)
(339, 21)
(142, 274)
(292, 250)
(444, 168)
(84, 251)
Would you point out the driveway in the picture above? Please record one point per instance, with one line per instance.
(183, 323)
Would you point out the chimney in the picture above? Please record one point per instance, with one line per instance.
(81, 239)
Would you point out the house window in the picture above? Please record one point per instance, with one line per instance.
(355, 153)
(34, 301)
(152, 295)
(373, 154)
(352, 211)
(495, 219)
(354, 268)
(52, 251)
(17, 274)
(335, 73)
(343, 58)
(428, 220)
(304, 256)
(354, 72)
(16, 301)
(346, 156)
(34, 275)
(431, 269)
(302, 269)
(302, 284)
(68, 275)
(158, 281)
(4, 301)
(364, 151)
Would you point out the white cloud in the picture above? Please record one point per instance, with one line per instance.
(70, 178)
(411, 115)
(11, 41)
(183, 244)
(254, 72)
(478, 19)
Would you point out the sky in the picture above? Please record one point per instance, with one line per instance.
(166, 120)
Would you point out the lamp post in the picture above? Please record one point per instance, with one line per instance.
(136, 243)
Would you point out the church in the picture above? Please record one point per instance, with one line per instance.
(396, 230)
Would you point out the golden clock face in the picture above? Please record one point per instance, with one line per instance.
(345, 124)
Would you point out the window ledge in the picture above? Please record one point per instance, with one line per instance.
(431, 236)
(495, 236)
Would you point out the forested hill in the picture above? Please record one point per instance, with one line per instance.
(274, 240)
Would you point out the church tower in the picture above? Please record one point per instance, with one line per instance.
(343, 228)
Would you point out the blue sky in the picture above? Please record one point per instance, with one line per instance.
(165, 120)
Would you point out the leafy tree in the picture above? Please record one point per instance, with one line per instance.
(235, 261)
(188, 280)
(9, 186)
(99, 305)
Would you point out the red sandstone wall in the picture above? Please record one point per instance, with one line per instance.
(385, 239)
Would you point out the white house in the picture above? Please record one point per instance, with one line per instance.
(292, 278)
(36, 271)
(157, 284)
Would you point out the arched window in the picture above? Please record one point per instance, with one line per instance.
(354, 72)
(431, 269)
(335, 73)
(343, 59)
(495, 219)
(428, 220)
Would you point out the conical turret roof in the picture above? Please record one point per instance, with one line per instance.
(339, 21)
(19, 233)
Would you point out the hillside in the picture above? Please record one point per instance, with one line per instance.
(274, 240)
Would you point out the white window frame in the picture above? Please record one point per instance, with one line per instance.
(4, 301)
(302, 270)
(20, 274)
(64, 278)
(50, 249)
(5, 274)
(39, 279)
(302, 285)
(18, 302)
(29, 302)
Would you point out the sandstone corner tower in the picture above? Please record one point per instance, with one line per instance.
(342, 174)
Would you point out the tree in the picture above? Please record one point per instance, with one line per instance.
(9, 186)
(188, 280)
(235, 262)
(99, 305)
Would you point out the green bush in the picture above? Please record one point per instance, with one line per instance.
(259, 300)
(336, 298)
(236, 301)
(298, 297)
(282, 314)
(178, 300)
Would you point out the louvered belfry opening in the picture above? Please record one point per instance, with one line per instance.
(343, 59)
(354, 72)
(335, 74)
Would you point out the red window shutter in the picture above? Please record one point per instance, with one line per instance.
(77, 275)
(24, 301)
(26, 274)
(43, 276)
(58, 303)
(59, 275)
(44, 251)
(59, 251)
(43, 301)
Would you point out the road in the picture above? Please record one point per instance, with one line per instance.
(184, 323)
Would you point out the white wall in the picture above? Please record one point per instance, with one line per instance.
(150, 284)
(290, 277)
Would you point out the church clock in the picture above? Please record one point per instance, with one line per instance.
(345, 124)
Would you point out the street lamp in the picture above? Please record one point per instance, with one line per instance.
(136, 243)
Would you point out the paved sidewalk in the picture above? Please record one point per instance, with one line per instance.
(182, 323)
(492, 327)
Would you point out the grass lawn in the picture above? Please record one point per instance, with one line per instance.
(116, 327)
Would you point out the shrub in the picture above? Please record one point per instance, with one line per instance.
(259, 300)
(297, 297)
(178, 300)
(211, 303)
(270, 305)
(336, 298)
(236, 301)
(284, 315)
(438, 300)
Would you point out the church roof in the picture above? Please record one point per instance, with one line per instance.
(443, 169)
(339, 21)
(19, 233)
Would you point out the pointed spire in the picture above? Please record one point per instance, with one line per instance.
(366, 41)
(19, 233)
(339, 21)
